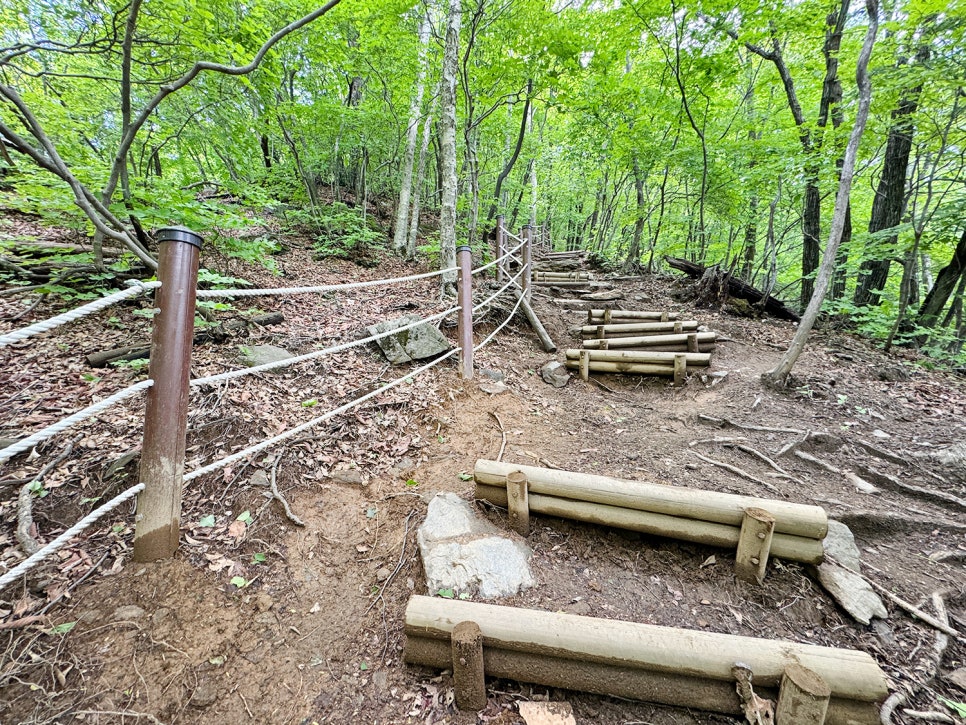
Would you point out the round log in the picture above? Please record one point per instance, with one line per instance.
(640, 327)
(725, 508)
(784, 546)
(595, 366)
(641, 356)
(850, 674)
(704, 338)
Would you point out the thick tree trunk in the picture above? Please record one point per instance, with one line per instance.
(412, 133)
(779, 374)
(888, 202)
(945, 283)
(447, 217)
(633, 261)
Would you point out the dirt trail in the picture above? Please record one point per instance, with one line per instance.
(315, 636)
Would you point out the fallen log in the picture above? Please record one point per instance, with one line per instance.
(545, 340)
(598, 366)
(737, 288)
(671, 666)
(638, 328)
(803, 520)
(693, 359)
(704, 338)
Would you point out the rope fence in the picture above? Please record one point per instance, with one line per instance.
(24, 333)
(178, 260)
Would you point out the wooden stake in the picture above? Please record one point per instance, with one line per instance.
(466, 643)
(607, 317)
(664, 316)
(584, 364)
(518, 505)
(754, 545)
(693, 342)
(803, 698)
(678, 327)
(680, 369)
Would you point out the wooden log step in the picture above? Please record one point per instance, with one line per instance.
(683, 347)
(784, 546)
(562, 283)
(667, 665)
(798, 519)
(596, 366)
(639, 328)
(693, 359)
(704, 338)
(598, 315)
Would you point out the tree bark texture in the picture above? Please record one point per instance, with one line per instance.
(447, 217)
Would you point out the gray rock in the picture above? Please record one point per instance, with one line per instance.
(463, 552)
(254, 355)
(555, 373)
(128, 612)
(404, 467)
(204, 696)
(350, 475)
(958, 678)
(493, 387)
(493, 375)
(952, 459)
(418, 343)
(849, 589)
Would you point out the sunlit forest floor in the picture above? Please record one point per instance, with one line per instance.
(315, 633)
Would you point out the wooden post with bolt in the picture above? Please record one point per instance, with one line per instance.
(527, 235)
(466, 643)
(464, 293)
(518, 503)
(754, 545)
(501, 248)
(803, 697)
(158, 521)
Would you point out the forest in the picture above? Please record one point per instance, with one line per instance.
(713, 132)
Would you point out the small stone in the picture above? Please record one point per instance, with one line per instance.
(204, 696)
(958, 678)
(380, 680)
(128, 612)
(546, 713)
(263, 602)
(555, 373)
(404, 467)
(253, 355)
(494, 375)
(350, 475)
(493, 387)
(383, 574)
(259, 478)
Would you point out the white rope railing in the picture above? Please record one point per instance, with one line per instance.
(499, 292)
(62, 540)
(513, 236)
(502, 325)
(37, 328)
(81, 415)
(221, 377)
(279, 291)
(498, 259)
(269, 442)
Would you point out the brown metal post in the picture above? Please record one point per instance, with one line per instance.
(465, 295)
(527, 235)
(158, 519)
(500, 247)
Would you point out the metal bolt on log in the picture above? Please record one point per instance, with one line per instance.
(518, 502)
(754, 545)
(158, 520)
(466, 642)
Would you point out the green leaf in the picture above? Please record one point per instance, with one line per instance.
(245, 516)
(466, 477)
(371, 512)
(258, 558)
(239, 581)
(310, 403)
(446, 593)
(207, 521)
(363, 666)
(412, 482)
(217, 661)
(958, 707)
(62, 628)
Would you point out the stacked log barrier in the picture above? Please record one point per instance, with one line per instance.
(669, 364)
(670, 666)
(607, 316)
(704, 517)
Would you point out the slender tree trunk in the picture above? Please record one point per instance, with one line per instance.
(632, 263)
(420, 171)
(778, 376)
(401, 227)
(447, 217)
(508, 167)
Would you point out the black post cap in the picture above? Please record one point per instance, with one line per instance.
(179, 234)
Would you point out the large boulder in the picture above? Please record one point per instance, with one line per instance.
(467, 554)
(417, 343)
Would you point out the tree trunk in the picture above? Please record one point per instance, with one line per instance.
(779, 375)
(633, 261)
(945, 283)
(418, 185)
(513, 157)
(401, 227)
(447, 217)
(888, 202)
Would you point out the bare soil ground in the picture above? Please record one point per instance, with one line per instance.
(315, 634)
